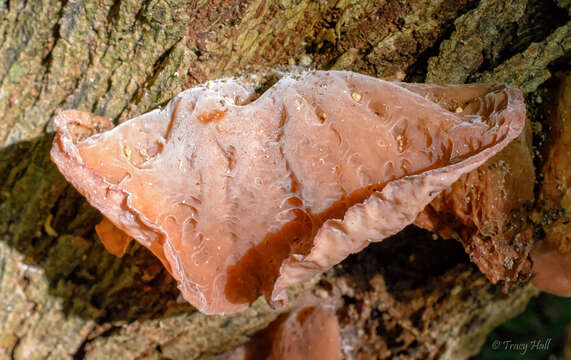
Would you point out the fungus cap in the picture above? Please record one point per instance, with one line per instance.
(239, 200)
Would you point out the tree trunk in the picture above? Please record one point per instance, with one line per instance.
(64, 296)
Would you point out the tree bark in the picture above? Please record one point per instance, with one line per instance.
(64, 296)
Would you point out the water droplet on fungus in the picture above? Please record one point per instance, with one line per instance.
(356, 96)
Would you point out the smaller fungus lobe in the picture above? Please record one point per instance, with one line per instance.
(552, 256)
(243, 200)
(555, 270)
(310, 331)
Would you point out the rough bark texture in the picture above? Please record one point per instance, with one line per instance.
(64, 296)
